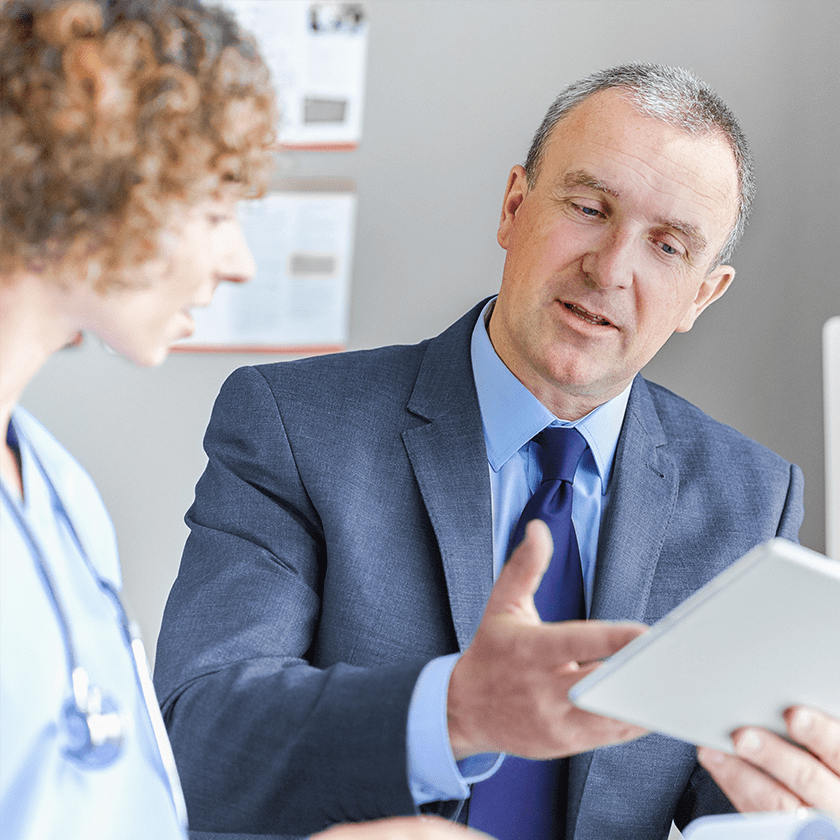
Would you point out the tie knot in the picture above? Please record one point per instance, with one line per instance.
(560, 450)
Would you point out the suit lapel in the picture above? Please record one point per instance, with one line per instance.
(449, 459)
(643, 495)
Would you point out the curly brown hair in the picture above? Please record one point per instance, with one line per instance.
(111, 113)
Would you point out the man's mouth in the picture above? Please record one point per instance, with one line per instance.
(587, 316)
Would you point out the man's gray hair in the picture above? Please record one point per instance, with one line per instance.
(675, 96)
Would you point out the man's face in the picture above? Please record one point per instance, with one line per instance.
(609, 253)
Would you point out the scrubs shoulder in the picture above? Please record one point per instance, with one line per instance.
(44, 793)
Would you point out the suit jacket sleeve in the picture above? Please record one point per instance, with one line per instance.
(264, 741)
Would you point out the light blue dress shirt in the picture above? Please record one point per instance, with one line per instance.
(511, 417)
(44, 794)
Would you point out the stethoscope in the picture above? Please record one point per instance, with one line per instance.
(95, 726)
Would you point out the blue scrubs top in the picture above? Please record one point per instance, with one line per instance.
(44, 793)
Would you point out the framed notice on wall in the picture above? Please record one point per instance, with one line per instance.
(316, 51)
(301, 237)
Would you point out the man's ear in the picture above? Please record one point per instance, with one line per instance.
(515, 192)
(712, 287)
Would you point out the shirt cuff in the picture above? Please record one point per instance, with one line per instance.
(433, 773)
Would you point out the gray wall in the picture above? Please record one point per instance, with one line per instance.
(455, 89)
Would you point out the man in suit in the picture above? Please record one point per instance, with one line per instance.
(335, 649)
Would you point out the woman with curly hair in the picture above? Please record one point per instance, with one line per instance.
(129, 129)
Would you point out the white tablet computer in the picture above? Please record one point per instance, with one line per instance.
(758, 638)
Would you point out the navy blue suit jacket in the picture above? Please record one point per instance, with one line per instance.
(341, 537)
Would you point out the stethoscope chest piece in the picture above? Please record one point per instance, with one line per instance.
(94, 725)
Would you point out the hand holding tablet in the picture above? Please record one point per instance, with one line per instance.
(748, 654)
(759, 638)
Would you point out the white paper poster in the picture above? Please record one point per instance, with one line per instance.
(316, 52)
(302, 243)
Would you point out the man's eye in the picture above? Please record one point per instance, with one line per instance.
(588, 211)
(667, 248)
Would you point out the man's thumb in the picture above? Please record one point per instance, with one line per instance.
(521, 575)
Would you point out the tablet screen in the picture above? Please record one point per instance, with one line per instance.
(760, 637)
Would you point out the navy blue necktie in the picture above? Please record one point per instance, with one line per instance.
(526, 800)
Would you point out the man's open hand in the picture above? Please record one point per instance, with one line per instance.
(508, 692)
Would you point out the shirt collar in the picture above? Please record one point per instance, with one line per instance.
(512, 415)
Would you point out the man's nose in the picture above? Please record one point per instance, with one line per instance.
(610, 261)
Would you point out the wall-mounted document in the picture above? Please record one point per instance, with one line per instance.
(302, 242)
(760, 637)
(317, 55)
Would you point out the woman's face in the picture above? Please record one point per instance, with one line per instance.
(202, 246)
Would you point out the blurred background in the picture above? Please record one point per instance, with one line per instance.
(454, 92)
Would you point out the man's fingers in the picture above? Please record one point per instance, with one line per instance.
(769, 774)
(817, 731)
(747, 787)
(592, 730)
(802, 773)
(588, 731)
(521, 575)
(583, 641)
